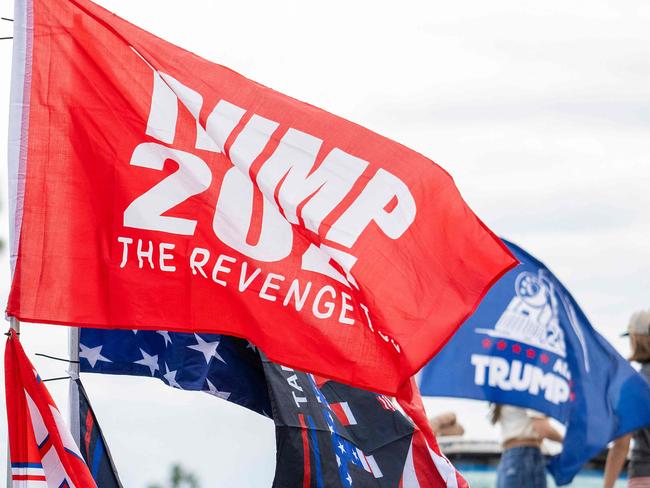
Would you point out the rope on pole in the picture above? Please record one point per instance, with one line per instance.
(55, 358)
(56, 379)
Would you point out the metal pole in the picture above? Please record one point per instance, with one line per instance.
(15, 325)
(73, 389)
(20, 59)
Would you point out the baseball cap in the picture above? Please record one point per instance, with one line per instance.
(639, 323)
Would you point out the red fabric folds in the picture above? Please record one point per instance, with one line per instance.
(163, 191)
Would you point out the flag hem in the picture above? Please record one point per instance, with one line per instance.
(21, 76)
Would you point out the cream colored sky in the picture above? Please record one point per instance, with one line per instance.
(540, 111)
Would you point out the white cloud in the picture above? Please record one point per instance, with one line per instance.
(539, 111)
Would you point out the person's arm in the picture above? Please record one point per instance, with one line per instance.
(545, 430)
(616, 459)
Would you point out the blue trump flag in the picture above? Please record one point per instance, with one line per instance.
(529, 344)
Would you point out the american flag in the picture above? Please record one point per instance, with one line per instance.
(223, 366)
(345, 452)
(328, 434)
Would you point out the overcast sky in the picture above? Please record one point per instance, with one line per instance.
(540, 111)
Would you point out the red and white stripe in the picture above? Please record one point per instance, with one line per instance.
(54, 472)
(43, 453)
(421, 472)
(426, 466)
(28, 477)
(369, 464)
(386, 402)
(343, 413)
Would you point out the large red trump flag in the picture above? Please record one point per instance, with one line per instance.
(153, 189)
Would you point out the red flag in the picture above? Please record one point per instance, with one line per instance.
(153, 189)
(43, 452)
(424, 448)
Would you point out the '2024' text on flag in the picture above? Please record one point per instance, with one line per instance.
(153, 189)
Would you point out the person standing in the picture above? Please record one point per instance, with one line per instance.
(639, 468)
(522, 431)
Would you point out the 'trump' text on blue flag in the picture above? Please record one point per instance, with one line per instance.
(529, 344)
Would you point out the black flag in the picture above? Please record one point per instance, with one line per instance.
(332, 435)
(93, 446)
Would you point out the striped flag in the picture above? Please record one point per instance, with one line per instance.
(333, 435)
(43, 453)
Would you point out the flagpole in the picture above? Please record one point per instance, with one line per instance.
(73, 390)
(15, 150)
(14, 324)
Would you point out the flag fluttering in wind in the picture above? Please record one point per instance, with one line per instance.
(152, 189)
(529, 344)
(226, 367)
(328, 434)
(92, 444)
(42, 450)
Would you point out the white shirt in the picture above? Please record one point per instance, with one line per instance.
(517, 423)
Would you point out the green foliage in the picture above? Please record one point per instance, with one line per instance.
(179, 478)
